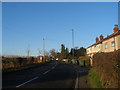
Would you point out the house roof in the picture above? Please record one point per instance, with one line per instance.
(108, 37)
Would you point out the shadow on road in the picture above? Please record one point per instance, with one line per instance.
(64, 75)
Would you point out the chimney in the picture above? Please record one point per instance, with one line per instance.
(101, 37)
(97, 39)
(116, 29)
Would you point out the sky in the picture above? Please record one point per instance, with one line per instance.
(27, 23)
(0, 29)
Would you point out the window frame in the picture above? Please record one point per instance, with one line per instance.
(113, 43)
(106, 45)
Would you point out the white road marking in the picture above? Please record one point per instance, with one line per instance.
(52, 67)
(77, 78)
(27, 82)
(46, 71)
(35, 77)
(76, 83)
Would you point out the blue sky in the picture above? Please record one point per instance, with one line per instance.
(26, 23)
(0, 29)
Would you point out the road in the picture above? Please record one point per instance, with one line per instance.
(54, 74)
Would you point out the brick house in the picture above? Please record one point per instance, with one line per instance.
(108, 44)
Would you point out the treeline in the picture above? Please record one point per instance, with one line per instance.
(66, 54)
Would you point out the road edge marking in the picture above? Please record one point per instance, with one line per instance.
(77, 82)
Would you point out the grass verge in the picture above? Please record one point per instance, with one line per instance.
(94, 79)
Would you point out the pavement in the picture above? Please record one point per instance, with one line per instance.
(55, 74)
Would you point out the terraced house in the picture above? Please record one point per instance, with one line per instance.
(108, 44)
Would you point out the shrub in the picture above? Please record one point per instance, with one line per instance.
(15, 62)
(107, 66)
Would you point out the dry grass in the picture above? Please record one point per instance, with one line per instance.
(16, 62)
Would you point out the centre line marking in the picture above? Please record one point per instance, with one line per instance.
(46, 72)
(27, 82)
(35, 77)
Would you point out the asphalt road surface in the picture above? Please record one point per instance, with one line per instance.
(54, 74)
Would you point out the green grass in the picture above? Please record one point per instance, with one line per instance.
(73, 62)
(94, 79)
(81, 62)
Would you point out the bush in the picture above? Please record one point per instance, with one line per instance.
(15, 62)
(107, 66)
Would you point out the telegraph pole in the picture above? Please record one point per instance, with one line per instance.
(28, 50)
(73, 41)
(43, 48)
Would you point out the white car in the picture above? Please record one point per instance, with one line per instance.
(56, 58)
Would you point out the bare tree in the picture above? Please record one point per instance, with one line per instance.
(53, 53)
(39, 52)
(47, 53)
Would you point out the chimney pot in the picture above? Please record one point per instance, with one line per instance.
(97, 39)
(116, 29)
(101, 37)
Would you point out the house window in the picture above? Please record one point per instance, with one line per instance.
(113, 43)
(95, 46)
(88, 51)
(106, 45)
(99, 46)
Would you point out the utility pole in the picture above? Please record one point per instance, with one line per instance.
(28, 50)
(73, 42)
(43, 48)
